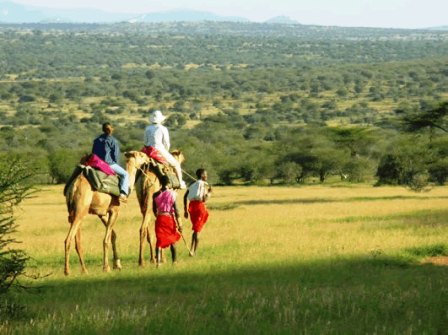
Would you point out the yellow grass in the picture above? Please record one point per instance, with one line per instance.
(251, 225)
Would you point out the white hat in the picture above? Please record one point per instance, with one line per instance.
(157, 117)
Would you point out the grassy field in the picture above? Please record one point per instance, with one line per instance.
(272, 260)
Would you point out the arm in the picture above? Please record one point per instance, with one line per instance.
(154, 206)
(116, 151)
(166, 138)
(145, 136)
(207, 192)
(186, 204)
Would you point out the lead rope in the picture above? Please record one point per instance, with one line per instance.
(189, 175)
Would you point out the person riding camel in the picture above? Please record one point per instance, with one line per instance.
(106, 148)
(157, 137)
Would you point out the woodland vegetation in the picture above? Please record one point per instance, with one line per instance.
(253, 103)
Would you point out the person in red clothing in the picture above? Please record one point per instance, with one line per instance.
(197, 193)
(167, 215)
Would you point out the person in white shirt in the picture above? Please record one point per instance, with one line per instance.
(157, 136)
(197, 193)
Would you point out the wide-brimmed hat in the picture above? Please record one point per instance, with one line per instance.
(157, 117)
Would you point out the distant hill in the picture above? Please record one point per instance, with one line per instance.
(282, 20)
(185, 15)
(11, 12)
(444, 28)
(14, 13)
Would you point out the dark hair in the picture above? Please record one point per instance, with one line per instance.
(199, 172)
(165, 180)
(107, 127)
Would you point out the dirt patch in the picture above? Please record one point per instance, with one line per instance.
(438, 260)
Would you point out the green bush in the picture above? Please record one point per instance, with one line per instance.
(14, 187)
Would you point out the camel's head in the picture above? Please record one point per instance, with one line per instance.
(134, 160)
(178, 155)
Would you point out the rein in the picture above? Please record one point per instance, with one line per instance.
(189, 175)
(142, 171)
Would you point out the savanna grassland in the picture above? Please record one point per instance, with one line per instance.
(303, 260)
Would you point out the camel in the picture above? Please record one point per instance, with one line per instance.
(81, 200)
(145, 187)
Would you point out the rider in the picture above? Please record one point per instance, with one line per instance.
(106, 147)
(157, 136)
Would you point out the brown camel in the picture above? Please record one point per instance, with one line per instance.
(145, 187)
(81, 200)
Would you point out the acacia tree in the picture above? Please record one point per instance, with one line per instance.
(434, 118)
(14, 187)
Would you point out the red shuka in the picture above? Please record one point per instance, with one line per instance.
(198, 214)
(166, 232)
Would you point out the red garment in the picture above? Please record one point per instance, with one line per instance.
(155, 154)
(97, 163)
(166, 232)
(198, 214)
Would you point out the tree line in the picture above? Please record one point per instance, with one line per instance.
(254, 103)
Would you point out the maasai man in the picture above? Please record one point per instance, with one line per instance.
(165, 210)
(197, 194)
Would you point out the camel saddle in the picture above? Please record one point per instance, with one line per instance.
(160, 169)
(99, 180)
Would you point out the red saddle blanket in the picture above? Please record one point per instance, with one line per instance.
(154, 154)
(97, 163)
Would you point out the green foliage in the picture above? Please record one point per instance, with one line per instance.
(62, 163)
(438, 171)
(432, 117)
(289, 172)
(14, 187)
(407, 164)
(389, 170)
(359, 169)
(232, 106)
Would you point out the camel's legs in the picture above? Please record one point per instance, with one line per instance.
(79, 250)
(117, 262)
(107, 239)
(74, 226)
(143, 236)
(150, 242)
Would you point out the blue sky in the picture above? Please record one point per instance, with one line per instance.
(367, 13)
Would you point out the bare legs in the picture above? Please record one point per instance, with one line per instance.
(194, 243)
(159, 255)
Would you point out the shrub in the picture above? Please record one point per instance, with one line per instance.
(14, 187)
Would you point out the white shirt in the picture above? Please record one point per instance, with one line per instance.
(157, 135)
(198, 190)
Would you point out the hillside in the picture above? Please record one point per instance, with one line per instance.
(234, 86)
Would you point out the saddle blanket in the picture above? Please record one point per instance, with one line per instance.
(99, 180)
